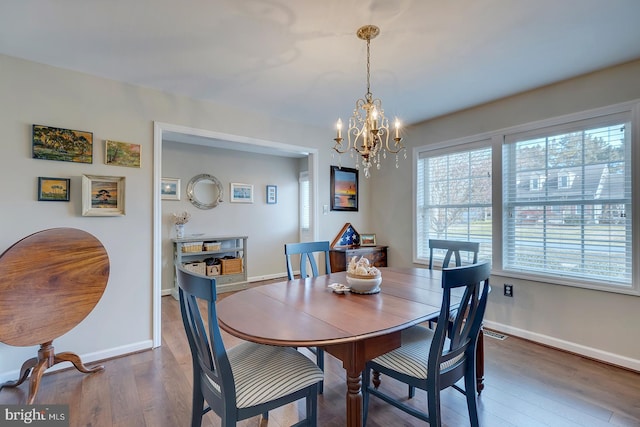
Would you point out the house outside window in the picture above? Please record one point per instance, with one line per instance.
(575, 223)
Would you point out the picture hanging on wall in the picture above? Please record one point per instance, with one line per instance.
(272, 194)
(170, 189)
(344, 189)
(65, 145)
(122, 154)
(102, 195)
(53, 189)
(241, 193)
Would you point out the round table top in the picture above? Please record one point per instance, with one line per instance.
(49, 282)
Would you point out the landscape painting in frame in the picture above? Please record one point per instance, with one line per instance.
(241, 193)
(102, 195)
(344, 189)
(53, 189)
(65, 145)
(122, 154)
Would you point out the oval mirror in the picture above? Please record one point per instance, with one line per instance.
(204, 191)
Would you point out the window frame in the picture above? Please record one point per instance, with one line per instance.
(497, 138)
(447, 148)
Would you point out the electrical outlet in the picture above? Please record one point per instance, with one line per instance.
(508, 290)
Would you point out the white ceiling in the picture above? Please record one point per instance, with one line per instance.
(301, 60)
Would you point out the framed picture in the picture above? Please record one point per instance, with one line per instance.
(122, 154)
(65, 145)
(272, 194)
(344, 189)
(102, 195)
(170, 189)
(367, 239)
(53, 189)
(241, 193)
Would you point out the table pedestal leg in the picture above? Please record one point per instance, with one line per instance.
(46, 359)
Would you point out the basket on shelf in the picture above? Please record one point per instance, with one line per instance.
(195, 267)
(213, 270)
(192, 247)
(212, 246)
(231, 265)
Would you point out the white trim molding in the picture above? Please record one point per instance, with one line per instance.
(590, 352)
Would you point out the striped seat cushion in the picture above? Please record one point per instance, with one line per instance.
(263, 373)
(412, 356)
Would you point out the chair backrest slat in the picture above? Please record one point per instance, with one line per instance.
(307, 250)
(453, 248)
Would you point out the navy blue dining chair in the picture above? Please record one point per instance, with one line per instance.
(244, 381)
(433, 360)
(308, 252)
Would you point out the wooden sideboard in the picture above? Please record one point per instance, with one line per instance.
(339, 257)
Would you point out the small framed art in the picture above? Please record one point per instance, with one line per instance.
(102, 195)
(170, 189)
(241, 193)
(367, 239)
(53, 189)
(66, 145)
(344, 189)
(122, 154)
(272, 194)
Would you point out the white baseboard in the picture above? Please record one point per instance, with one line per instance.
(87, 358)
(592, 353)
(282, 276)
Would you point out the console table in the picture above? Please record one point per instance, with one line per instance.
(340, 256)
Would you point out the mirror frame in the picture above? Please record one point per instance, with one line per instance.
(191, 191)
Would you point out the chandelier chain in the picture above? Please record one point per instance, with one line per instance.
(369, 95)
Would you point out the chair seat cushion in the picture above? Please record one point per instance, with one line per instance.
(412, 357)
(263, 373)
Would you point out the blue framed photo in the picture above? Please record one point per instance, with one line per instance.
(272, 194)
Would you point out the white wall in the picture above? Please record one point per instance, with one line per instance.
(268, 226)
(32, 93)
(594, 323)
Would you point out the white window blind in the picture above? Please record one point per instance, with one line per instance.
(567, 201)
(453, 199)
(305, 202)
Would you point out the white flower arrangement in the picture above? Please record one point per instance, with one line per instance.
(181, 217)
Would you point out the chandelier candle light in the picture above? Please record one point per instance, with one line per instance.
(368, 132)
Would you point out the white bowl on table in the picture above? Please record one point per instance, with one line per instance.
(364, 284)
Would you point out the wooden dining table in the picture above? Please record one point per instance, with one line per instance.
(354, 328)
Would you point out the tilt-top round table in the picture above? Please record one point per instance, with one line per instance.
(49, 282)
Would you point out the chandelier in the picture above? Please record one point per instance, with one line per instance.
(368, 132)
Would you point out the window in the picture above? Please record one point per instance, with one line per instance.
(575, 223)
(305, 202)
(453, 198)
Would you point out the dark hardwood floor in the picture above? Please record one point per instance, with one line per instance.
(526, 385)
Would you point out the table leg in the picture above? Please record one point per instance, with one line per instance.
(38, 365)
(354, 356)
(27, 366)
(354, 397)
